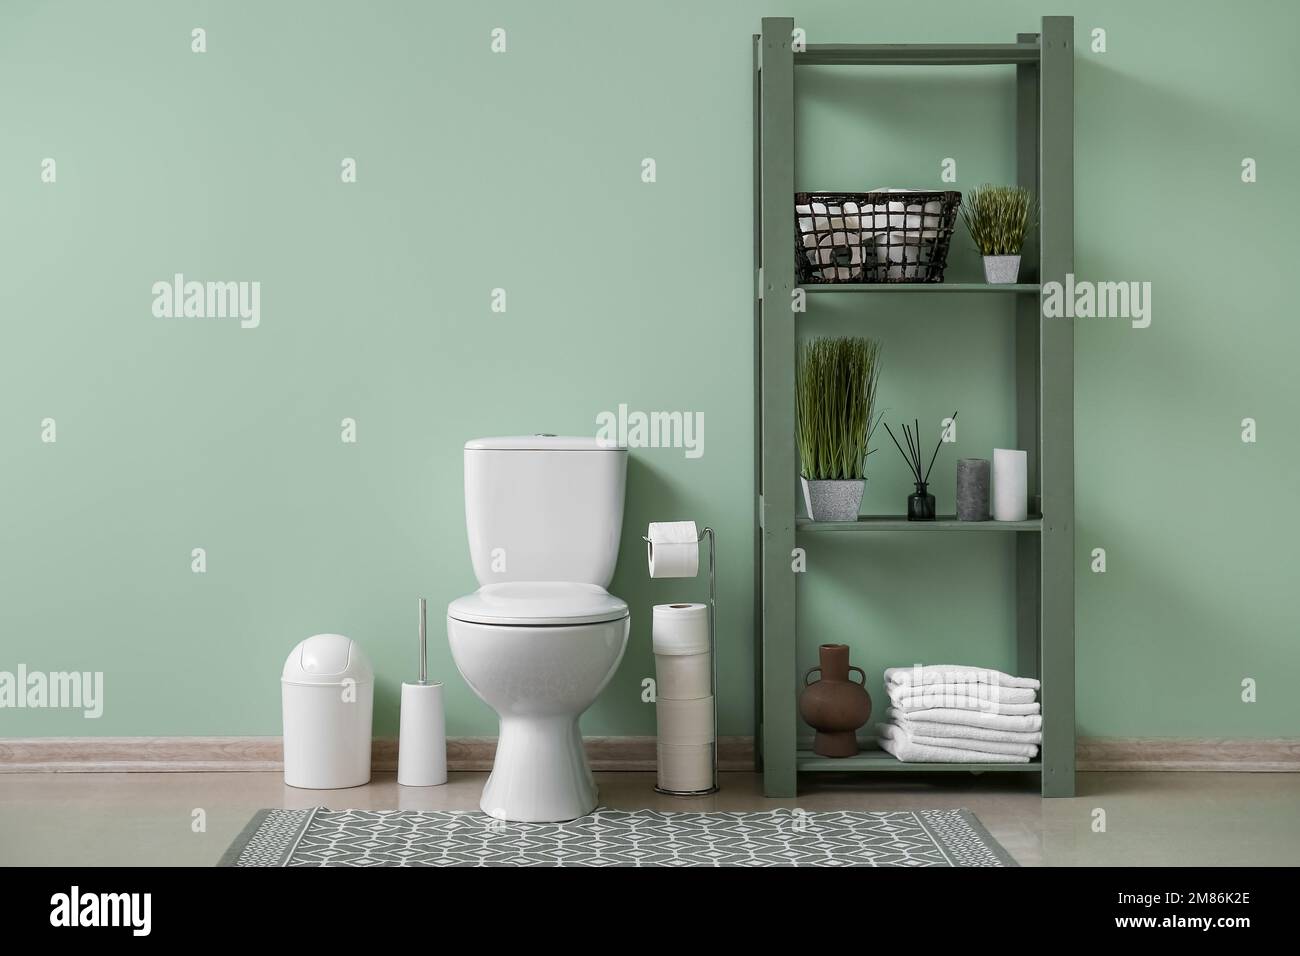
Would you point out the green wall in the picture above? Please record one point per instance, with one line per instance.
(522, 171)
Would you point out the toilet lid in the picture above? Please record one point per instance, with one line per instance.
(538, 603)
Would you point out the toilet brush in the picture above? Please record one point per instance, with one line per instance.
(422, 740)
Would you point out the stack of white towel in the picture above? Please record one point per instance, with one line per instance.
(951, 713)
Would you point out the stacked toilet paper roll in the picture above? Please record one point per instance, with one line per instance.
(684, 696)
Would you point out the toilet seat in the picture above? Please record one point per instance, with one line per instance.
(538, 604)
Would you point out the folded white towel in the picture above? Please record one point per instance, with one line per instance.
(941, 692)
(909, 751)
(965, 743)
(975, 704)
(928, 728)
(972, 718)
(955, 674)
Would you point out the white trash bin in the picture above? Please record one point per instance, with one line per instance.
(328, 690)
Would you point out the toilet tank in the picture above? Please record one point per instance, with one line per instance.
(544, 508)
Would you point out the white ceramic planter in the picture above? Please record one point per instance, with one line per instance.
(1001, 270)
(833, 500)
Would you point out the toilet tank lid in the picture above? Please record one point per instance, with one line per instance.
(327, 659)
(541, 443)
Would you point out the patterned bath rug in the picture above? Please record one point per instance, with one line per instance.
(320, 837)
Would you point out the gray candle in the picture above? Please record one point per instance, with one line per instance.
(973, 489)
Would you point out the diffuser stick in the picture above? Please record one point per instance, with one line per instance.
(937, 445)
(913, 455)
(895, 440)
(913, 449)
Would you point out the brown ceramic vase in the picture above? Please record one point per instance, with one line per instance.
(835, 706)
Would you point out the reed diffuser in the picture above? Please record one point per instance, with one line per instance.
(920, 504)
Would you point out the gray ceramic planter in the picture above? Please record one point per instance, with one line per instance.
(1001, 270)
(833, 500)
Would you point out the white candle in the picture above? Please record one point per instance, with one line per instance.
(1010, 485)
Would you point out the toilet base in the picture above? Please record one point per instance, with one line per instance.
(540, 774)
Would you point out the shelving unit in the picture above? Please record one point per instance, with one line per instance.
(1044, 362)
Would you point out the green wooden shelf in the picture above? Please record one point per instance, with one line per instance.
(880, 761)
(917, 54)
(870, 524)
(1043, 361)
(1023, 288)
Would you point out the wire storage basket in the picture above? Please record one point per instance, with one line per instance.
(880, 236)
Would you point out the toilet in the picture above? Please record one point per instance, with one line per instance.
(541, 637)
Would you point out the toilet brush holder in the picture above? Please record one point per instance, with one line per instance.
(713, 679)
(422, 734)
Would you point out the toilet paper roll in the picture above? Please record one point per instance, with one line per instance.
(902, 253)
(1010, 485)
(680, 628)
(422, 737)
(686, 768)
(683, 676)
(683, 722)
(673, 550)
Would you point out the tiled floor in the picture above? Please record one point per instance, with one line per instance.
(1150, 819)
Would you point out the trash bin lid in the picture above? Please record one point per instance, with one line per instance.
(327, 659)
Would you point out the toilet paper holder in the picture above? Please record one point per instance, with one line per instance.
(713, 664)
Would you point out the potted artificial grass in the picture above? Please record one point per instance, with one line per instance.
(835, 416)
(998, 217)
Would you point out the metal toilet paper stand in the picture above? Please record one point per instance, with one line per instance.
(713, 665)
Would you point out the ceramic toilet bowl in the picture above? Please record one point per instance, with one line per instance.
(538, 653)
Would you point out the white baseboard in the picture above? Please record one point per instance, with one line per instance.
(206, 754)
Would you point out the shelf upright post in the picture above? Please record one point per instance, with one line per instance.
(758, 411)
(1028, 315)
(775, 373)
(1056, 409)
